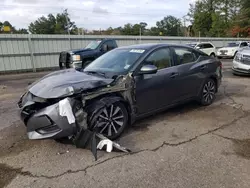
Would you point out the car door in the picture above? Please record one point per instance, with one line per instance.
(154, 91)
(190, 76)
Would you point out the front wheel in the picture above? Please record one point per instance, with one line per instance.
(112, 120)
(207, 95)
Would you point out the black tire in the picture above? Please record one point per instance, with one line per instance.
(207, 94)
(111, 126)
(235, 54)
(212, 55)
(61, 65)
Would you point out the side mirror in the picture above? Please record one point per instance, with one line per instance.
(104, 48)
(198, 47)
(148, 69)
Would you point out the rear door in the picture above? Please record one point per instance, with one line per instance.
(190, 75)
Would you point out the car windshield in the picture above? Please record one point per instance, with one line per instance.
(233, 44)
(93, 45)
(115, 61)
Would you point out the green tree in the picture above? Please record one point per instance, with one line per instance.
(170, 26)
(213, 17)
(12, 29)
(59, 24)
(243, 19)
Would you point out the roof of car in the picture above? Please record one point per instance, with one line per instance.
(147, 46)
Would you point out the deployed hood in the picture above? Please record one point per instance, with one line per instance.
(65, 83)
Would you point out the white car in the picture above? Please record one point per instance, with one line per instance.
(206, 47)
(231, 49)
(241, 62)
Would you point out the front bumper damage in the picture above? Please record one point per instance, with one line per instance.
(69, 117)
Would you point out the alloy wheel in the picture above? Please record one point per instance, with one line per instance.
(111, 121)
(208, 93)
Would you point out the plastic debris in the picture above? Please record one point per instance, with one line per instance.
(65, 109)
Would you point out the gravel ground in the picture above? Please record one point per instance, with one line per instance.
(187, 146)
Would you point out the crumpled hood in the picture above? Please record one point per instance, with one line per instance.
(60, 83)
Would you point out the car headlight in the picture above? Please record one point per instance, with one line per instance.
(238, 57)
(76, 58)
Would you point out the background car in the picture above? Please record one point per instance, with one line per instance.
(241, 62)
(231, 49)
(119, 87)
(79, 58)
(206, 47)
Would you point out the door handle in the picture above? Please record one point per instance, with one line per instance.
(174, 74)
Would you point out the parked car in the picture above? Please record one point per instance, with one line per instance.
(79, 58)
(241, 62)
(206, 47)
(116, 89)
(231, 49)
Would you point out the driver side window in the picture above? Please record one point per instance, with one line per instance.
(160, 58)
(110, 45)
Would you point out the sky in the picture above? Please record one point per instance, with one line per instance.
(93, 14)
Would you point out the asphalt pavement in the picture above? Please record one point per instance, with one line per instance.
(188, 146)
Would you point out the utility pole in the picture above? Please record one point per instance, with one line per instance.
(66, 16)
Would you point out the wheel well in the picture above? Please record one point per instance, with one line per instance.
(123, 101)
(212, 53)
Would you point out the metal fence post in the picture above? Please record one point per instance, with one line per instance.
(31, 54)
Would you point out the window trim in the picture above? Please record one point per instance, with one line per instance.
(137, 69)
(189, 49)
(211, 46)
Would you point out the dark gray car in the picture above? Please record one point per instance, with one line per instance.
(118, 88)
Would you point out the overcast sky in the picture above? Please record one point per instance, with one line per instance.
(93, 14)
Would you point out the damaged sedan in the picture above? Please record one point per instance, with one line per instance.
(116, 89)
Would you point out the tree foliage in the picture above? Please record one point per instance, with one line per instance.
(207, 18)
(59, 24)
(220, 18)
(170, 26)
(13, 30)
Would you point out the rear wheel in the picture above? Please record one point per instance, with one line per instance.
(64, 65)
(212, 55)
(207, 95)
(112, 120)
